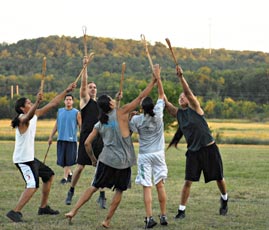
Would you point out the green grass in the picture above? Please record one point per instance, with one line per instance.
(246, 169)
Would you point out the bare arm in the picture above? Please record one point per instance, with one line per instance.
(157, 71)
(84, 95)
(55, 101)
(54, 130)
(193, 102)
(79, 120)
(88, 146)
(25, 118)
(118, 98)
(170, 108)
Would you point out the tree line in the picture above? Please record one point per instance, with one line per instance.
(229, 84)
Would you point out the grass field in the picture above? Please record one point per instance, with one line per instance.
(225, 131)
(246, 169)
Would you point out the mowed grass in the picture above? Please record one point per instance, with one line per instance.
(246, 169)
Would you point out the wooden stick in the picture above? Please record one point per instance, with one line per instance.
(46, 154)
(44, 67)
(84, 29)
(122, 75)
(90, 57)
(170, 47)
(147, 51)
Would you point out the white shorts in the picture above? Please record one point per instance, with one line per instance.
(151, 165)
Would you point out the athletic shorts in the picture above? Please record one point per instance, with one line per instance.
(108, 177)
(151, 165)
(66, 153)
(31, 171)
(208, 160)
(97, 146)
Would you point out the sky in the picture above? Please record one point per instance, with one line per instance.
(218, 24)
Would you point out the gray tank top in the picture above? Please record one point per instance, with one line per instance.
(118, 152)
(195, 129)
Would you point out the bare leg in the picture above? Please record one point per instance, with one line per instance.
(185, 193)
(82, 200)
(24, 198)
(76, 174)
(113, 206)
(162, 197)
(148, 200)
(45, 192)
(222, 186)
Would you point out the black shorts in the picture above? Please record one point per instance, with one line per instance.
(97, 146)
(37, 169)
(108, 177)
(208, 160)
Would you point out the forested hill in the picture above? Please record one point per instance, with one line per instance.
(219, 74)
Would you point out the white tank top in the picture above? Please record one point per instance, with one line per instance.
(24, 143)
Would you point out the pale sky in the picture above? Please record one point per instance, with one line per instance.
(229, 24)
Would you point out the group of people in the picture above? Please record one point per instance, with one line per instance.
(106, 142)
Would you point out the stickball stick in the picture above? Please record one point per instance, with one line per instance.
(44, 67)
(122, 75)
(46, 154)
(84, 30)
(147, 51)
(90, 57)
(170, 47)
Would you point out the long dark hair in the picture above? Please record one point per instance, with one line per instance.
(19, 103)
(103, 103)
(148, 106)
(178, 135)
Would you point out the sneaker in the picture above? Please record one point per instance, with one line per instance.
(223, 207)
(69, 178)
(150, 222)
(163, 220)
(68, 199)
(47, 210)
(102, 202)
(15, 216)
(180, 215)
(63, 181)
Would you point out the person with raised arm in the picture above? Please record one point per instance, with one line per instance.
(151, 156)
(24, 153)
(114, 164)
(202, 152)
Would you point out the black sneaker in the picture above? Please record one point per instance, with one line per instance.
(15, 216)
(63, 181)
(150, 223)
(163, 220)
(180, 215)
(69, 178)
(47, 211)
(223, 207)
(68, 199)
(102, 202)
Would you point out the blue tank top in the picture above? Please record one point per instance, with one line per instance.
(67, 124)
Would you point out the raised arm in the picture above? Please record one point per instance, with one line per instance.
(25, 118)
(55, 101)
(193, 102)
(84, 95)
(157, 71)
(170, 108)
(126, 109)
